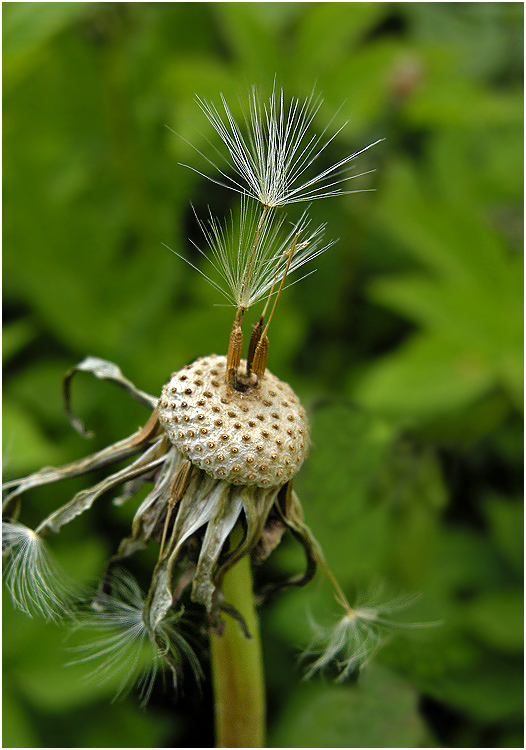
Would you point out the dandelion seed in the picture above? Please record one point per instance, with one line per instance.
(249, 253)
(357, 636)
(272, 162)
(36, 583)
(124, 648)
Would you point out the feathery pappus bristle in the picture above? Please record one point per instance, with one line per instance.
(357, 636)
(272, 161)
(36, 583)
(122, 647)
(248, 253)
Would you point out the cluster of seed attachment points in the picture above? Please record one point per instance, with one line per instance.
(257, 437)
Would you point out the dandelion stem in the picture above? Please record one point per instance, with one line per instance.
(237, 667)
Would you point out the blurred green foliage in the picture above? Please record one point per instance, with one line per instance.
(406, 345)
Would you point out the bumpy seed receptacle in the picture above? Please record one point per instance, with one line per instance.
(256, 437)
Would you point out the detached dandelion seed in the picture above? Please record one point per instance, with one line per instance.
(36, 584)
(121, 644)
(357, 636)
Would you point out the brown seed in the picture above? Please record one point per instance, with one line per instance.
(216, 409)
(290, 417)
(275, 427)
(246, 438)
(183, 377)
(263, 468)
(190, 433)
(251, 423)
(279, 441)
(260, 417)
(273, 456)
(220, 456)
(211, 444)
(186, 418)
(237, 425)
(188, 391)
(173, 390)
(203, 431)
(275, 415)
(198, 448)
(249, 459)
(236, 469)
(201, 402)
(218, 422)
(183, 404)
(259, 448)
(265, 433)
(207, 394)
(200, 417)
(232, 414)
(224, 436)
(234, 450)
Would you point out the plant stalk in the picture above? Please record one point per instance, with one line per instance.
(237, 666)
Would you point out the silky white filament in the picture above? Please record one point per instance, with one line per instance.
(273, 159)
(357, 636)
(249, 253)
(36, 583)
(122, 646)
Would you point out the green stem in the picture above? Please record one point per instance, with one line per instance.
(237, 667)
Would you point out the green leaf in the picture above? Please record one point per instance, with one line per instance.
(497, 618)
(423, 378)
(16, 723)
(380, 711)
(16, 336)
(507, 525)
(25, 445)
(29, 25)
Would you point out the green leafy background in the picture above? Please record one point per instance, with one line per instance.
(405, 345)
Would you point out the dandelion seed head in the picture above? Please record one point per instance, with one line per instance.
(257, 438)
